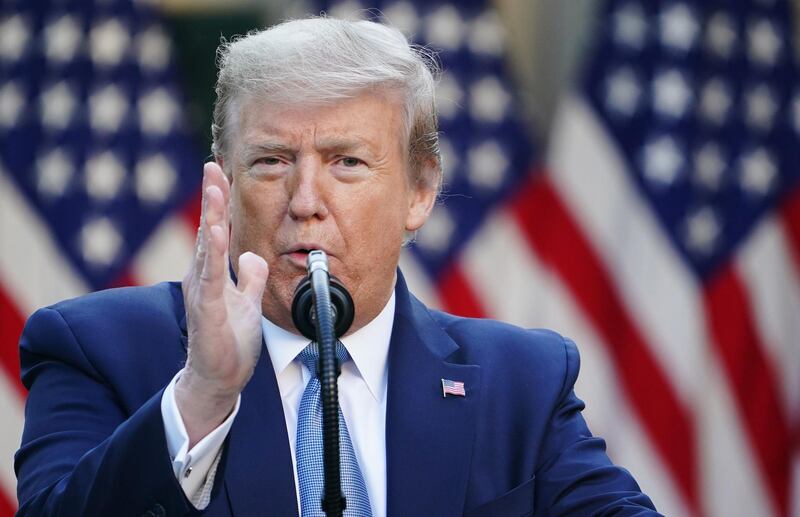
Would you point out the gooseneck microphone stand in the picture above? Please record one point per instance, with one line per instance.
(322, 311)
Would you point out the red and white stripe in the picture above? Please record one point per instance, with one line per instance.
(34, 274)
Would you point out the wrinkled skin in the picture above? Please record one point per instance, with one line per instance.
(333, 178)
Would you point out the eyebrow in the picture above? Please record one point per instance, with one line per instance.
(331, 145)
(251, 151)
(343, 145)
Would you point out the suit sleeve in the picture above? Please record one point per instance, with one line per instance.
(575, 476)
(81, 453)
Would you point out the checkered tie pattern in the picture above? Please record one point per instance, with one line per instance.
(309, 447)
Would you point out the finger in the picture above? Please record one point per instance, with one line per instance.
(202, 237)
(216, 244)
(253, 274)
(218, 178)
(218, 207)
(215, 206)
(213, 276)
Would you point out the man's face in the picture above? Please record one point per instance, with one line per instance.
(333, 178)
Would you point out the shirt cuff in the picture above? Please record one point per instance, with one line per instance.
(191, 467)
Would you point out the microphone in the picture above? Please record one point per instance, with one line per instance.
(341, 303)
(323, 310)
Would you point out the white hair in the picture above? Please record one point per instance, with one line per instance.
(321, 60)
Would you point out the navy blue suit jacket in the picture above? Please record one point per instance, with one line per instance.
(515, 445)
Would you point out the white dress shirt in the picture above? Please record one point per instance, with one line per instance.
(362, 397)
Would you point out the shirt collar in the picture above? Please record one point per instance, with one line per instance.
(368, 347)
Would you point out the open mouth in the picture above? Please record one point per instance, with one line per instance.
(300, 256)
(301, 253)
(298, 251)
(306, 248)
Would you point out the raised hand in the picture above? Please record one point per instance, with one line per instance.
(223, 319)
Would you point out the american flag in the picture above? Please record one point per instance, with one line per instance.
(450, 387)
(98, 171)
(661, 230)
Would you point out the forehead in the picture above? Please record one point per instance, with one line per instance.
(372, 118)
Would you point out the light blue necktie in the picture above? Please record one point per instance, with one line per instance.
(309, 448)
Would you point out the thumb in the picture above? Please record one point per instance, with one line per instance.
(253, 273)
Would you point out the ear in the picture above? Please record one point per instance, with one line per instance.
(422, 198)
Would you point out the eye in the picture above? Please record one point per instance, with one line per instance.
(269, 160)
(349, 168)
(273, 166)
(349, 161)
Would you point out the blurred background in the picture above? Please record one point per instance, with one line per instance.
(624, 172)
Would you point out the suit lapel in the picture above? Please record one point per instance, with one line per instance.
(429, 438)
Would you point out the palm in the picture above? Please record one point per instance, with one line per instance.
(243, 329)
(223, 318)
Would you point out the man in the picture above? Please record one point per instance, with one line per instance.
(163, 401)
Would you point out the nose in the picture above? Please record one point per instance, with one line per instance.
(306, 200)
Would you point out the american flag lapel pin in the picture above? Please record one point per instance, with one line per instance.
(455, 388)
